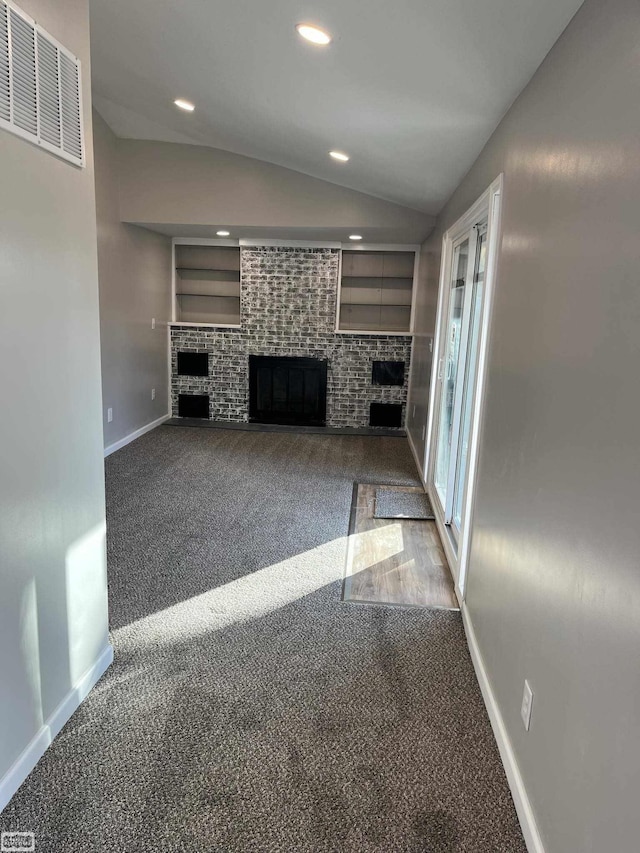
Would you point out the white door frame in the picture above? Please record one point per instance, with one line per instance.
(488, 207)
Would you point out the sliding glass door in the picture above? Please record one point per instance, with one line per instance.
(457, 371)
(465, 296)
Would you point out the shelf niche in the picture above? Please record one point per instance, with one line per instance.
(376, 291)
(207, 288)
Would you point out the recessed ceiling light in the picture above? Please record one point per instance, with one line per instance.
(184, 105)
(338, 155)
(222, 233)
(313, 34)
(355, 237)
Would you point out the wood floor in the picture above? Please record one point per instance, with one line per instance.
(395, 561)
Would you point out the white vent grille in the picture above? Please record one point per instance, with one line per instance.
(71, 118)
(40, 86)
(23, 69)
(5, 76)
(49, 92)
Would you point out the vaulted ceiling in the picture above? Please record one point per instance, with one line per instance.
(410, 89)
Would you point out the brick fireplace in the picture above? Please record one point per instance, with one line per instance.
(288, 309)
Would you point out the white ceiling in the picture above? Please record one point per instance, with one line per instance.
(411, 89)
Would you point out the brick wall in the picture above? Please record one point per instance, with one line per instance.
(288, 308)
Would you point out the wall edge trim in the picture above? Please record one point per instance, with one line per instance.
(36, 748)
(416, 459)
(122, 442)
(517, 787)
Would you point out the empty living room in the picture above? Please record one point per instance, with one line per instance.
(320, 336)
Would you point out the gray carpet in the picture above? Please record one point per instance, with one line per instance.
(248, 709)
(391, 503)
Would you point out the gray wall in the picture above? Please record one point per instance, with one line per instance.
(170, 184)
(554, 583)
(134, 270)
(53, 597)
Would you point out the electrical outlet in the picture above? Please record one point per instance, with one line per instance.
(153, 393)
(109, 415)
(424, 432)
(430, 344)
(527, 704)
(153, 322)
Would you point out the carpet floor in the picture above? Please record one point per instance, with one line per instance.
(248, 708)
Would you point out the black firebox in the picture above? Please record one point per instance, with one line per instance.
(193, 363)
(287, 390)
(387, 373)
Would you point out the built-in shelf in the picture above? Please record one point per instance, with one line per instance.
(364, 331)
(376, 292)
(232, 273)
(207, 286)
(179, 323)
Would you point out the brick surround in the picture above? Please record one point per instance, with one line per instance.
(288, 308)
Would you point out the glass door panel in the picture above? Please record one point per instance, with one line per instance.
(470, 379)
(450, 369)
(458, 368)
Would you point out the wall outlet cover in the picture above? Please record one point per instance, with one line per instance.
(153, 393)
(153, 322)
(109, 415)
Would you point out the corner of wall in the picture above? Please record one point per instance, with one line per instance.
(36, 748)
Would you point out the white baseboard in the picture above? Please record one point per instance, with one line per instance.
(417, 460)
(516, 784)
(133, 435)
(21, 768)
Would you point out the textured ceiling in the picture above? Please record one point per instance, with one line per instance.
(411, 89)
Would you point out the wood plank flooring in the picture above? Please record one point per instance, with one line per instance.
(395, 561)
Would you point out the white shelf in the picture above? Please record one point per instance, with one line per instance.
(376, 292)
(376, 297)
(206, 286)
(373, 332)
(207, 258)
(208, 325)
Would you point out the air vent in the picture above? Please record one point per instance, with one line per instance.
(23, 71)
(5, 75)
(40, 88)
(49, 92)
